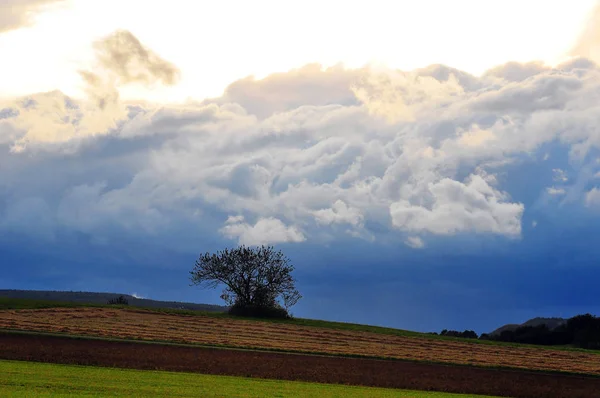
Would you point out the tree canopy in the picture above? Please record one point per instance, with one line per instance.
(257, 280)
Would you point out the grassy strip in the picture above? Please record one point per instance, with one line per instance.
(43, 380)
(292, 352)
(16, 304)
(7, 303)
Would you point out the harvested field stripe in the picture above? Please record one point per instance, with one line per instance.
(209, 317)
(38, 379)
(243, 333)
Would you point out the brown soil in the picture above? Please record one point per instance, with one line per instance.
(139, 324)
(367, 372)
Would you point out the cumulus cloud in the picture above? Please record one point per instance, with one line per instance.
(15, 14)
(386, 154)
(397, 96)
(476, 137)
(592, 198)
(555, 191)
(309, 85)
(415, 242)
(339, 212)
(122, 54)
(103, 93)
(121, 59)
(473, 206)
(516, 71)
(53, 118)
(265, 231)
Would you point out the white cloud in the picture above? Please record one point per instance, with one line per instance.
(592, 197)
(340, 212)
(517, 72)
(476, 137)
(555, 191)
(560, 175)
(265, 231)
(472, 206)
(400, 97)
(55, 119)
(279, 92)
(415, 242)
(234, 219)
(432, 151)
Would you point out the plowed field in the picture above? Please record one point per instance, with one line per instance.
(324, 369)
(139, 324)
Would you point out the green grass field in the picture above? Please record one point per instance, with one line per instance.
(31, 379)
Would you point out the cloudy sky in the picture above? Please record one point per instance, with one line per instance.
(425, 165)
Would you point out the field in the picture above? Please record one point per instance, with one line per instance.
(295, 367)
(289, 351)
(40, 380)
(223, 331)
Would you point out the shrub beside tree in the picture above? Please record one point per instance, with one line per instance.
(467, 334)
(258, 281)
(121, 300)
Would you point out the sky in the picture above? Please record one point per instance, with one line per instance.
(424, 165)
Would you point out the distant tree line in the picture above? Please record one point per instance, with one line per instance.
(581, 331)
(467, 334)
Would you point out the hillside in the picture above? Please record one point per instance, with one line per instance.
(551, 323)
(295, 349)
(102, 298)
(205, 329)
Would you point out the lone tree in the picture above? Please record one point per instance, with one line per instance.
(256, 280)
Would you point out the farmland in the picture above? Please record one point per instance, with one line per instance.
(288, 351)
(295, 367)
(242, 333)
(45, 380)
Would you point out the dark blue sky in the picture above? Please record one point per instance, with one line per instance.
(383, 284)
